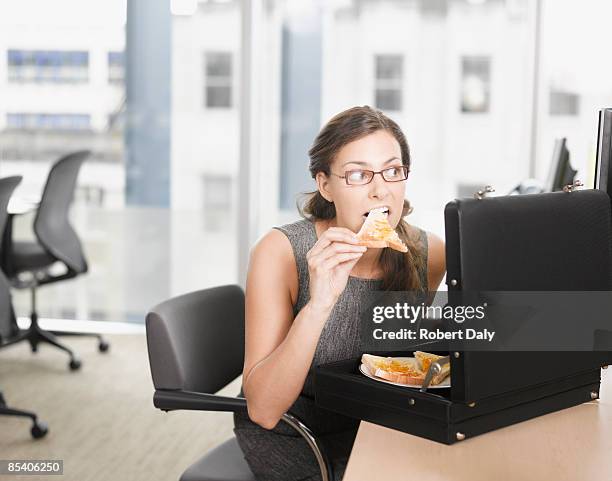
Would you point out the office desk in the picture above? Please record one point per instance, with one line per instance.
(22, 205)
(570, 445)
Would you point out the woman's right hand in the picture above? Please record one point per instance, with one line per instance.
(330, 262)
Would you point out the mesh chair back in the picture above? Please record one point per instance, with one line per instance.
(7, 316)
(52, 226)
(196, 341)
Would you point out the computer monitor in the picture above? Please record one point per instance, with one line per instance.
(603, 173)
(561, 172)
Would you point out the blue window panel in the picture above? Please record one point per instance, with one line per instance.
(116, 58)
(56, 66)
(14, 121)
(44, 121)
(15, 57)
(48, 57)
(81, 58)
(55, 59)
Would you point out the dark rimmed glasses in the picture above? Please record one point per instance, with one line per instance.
(396, 173)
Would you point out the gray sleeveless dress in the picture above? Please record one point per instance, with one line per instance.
(281, 454)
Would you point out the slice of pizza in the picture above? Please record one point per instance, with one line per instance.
(377, 232)
(400, 370)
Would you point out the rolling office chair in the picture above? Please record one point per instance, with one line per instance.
(196, 347)
(7, 316)
(27, 264)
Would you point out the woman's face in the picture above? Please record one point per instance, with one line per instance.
(376, 152)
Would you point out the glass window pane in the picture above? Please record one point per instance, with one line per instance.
(388, 99)
(218, 79)
(564, 103)
(218, 64)
(54, 110)
(574, 82)
(15, 57)
(388, 67)
(205, 154)
(423, 63)
(53, 66)
(218, 96)
(116, 67)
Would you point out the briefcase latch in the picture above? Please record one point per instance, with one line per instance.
(572, 187)
(480, 194)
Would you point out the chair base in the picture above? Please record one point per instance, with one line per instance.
(103, 344)
(35, 335)
(39, 429)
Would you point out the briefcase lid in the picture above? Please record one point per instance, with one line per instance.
(559, 241)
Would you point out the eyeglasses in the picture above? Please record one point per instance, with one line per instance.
(363, 177)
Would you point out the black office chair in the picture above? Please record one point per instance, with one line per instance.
(7, 316)
(27, 264)
(196, 347)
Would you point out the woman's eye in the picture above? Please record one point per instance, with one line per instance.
(393, 172)
(357, 176)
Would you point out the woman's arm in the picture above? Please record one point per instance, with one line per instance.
(278, 348)
(436, 261)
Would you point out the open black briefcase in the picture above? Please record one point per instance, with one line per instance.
(559, 241)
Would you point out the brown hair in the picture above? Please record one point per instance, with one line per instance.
(400, 270)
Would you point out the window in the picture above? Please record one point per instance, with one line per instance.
(218, 79)
(475, 84)
(388, 82)
(37, 121)
(564, 103)
(116, 69)
(54, 66)
(217, 202)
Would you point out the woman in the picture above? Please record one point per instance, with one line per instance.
(304, 287)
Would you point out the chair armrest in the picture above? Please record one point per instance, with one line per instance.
(197, 401)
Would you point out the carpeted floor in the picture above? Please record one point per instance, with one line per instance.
(101, 419)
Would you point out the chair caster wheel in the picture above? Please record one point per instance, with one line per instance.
(103, 346)
(39, 430)
(74, 365)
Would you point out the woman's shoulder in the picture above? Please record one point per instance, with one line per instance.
(285, 238)
(302, 230)
(281, 253)
(272, 261)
